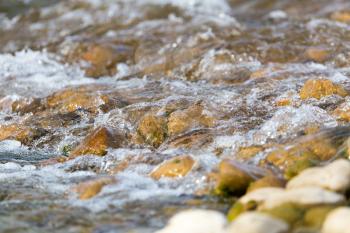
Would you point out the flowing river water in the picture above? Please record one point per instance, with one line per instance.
(213, 78)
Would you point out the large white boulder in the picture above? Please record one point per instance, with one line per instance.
(337, 221)
(335, 176)
(268, 198)
(254, 222)
(196, 221)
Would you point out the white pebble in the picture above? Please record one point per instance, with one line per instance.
(253, 222)
(337, 221)
(268, 198)
(196, 221)
(335, 176)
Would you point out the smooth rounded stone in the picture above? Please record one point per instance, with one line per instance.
(337, 221)
(268, 198)
(267, 181)
(176, 167)
(233, 178)
(304, 196)
(89, 189)
(335, 176)
(196, 221)
(253, 222)
(261, 195)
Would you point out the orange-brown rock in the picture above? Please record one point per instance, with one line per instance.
(101, 60)
(343, 112)
(178, 166)
(87, 97)
(341, 16)
(320, 88)
(91, 188)
(291, 161)
(283, 102)
(24, 106)
(246, 153)
(267, 181)
(260, 73)
(317, 54)
(324, 148)
(183, 120)
(152, 130)
(195, 139)
(97, 142)
(20, 132)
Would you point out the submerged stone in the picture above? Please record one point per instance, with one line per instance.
(183, 120)
(91, 188)
(86, 97)
(97, 142)
(178, 166)
(318, 88)
(152, 130)
(25, 134)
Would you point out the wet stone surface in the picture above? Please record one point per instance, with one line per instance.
(117, 114)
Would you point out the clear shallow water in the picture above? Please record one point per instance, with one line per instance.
(177, 53)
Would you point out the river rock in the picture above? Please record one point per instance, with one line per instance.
(267, 181)
(318, 88)
(342, 112)
(97, 142)
(178, 166)
(152, 130)
(268, 198)
(196, 221)
(181, 121)
(337, 221)
(335, 176)
(246, 153)
(91, 188)
(317, 54)
(86, 97)
(232, 178)
(254, 222)
(341, 16)
(21, 132)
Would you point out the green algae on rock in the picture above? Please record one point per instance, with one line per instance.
(232, 179)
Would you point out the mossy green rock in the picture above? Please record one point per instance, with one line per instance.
(298, 166)
(232, 180)
(315, 217)
(153, 130)
(289, 212)
(239, 208)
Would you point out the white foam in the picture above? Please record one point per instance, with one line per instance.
(33, 73)
(289, 120)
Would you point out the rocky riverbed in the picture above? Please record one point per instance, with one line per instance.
(169, 116)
